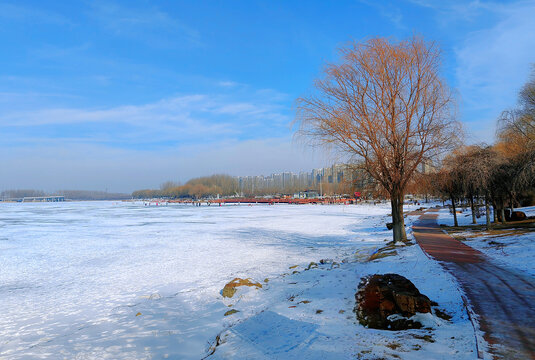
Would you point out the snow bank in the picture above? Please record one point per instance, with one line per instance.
(309, 314)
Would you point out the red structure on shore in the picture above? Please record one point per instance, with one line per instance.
(272, 201)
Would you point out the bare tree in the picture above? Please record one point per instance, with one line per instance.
(385, 104)
(448, 181)
(516, 134)
(516, 128)
(422, 185)
(478, 164)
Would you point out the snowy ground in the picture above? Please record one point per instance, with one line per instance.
(445, 217)
(309, 314)
(514, 248)
(96, 280)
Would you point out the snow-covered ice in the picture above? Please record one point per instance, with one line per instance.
(126, 281)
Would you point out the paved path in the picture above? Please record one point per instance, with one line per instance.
(503, 299)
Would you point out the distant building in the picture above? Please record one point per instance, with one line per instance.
(427, 167)
(288, 181)
(43, 199)
(307, 194)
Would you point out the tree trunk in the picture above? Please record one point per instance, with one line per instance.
(473, 208)
(455, 223)
(494, 213)
(502, 212)
(487, 212)
(511, 203)
(398, 223)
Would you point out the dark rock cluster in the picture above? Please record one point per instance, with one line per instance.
(515, 216)
(380, 297)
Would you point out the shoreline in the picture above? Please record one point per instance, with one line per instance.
(319, 313)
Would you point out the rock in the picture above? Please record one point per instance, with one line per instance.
(362, 255)
(389, 225)
(387, 301)
(230, 289)
(516, 216)
(427, 338)
(388, 250)
(442, 314)
(213, 347)
(232, 311)
(382, 254)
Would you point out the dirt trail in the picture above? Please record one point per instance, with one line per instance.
(502, 298)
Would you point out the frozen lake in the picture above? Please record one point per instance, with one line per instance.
(74, 275)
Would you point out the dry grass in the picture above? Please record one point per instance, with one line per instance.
(497, 233)
(509, 232)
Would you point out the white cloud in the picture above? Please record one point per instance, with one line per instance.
(229, 84)
(31, 15)
(388, 11)
(493, 59)
(493, 63)
(175, 118)
(153, 26)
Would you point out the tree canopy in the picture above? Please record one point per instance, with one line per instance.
(385, 104)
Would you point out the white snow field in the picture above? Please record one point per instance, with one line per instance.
(511, 247)
(445, 216)
(120, 280)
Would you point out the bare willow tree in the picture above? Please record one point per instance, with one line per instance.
(448, 182)
(474, 168)
(385, 104)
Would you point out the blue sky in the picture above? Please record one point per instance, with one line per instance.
(122, 95)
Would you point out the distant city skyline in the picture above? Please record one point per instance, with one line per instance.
(122, 95)
(335, 174)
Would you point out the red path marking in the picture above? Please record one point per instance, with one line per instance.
(440, 246)
(503, 298)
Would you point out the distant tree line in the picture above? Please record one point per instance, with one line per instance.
(223, 185)
(69, 194)
(226, 185)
